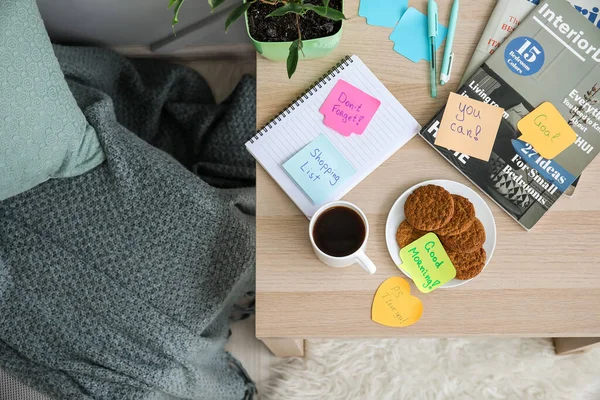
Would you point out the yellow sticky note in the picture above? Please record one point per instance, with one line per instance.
(469, 126)
(394, 306)
(427, 263)
(546, 130)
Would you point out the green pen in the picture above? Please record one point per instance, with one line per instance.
(448, 54)
(432, 18)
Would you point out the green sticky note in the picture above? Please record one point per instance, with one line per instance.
(427, 263)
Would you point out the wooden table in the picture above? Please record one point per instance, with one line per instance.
(545, 283)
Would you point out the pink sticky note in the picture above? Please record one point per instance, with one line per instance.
(348, 109)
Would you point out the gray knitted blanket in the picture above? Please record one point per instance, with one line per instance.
(119, 283)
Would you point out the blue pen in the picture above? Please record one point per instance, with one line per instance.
(432, 18)
(448, 54)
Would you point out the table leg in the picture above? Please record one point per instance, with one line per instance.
(285, 347)
(573, 345)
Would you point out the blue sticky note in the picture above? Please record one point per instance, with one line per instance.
(319, 169)
(411, 38)
(384, 13)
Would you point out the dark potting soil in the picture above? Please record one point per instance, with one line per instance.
(283, 29)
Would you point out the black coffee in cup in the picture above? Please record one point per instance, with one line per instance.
(339, 231)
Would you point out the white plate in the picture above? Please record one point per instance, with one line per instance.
(482, 211)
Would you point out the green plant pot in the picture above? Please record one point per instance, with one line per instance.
(313, 48)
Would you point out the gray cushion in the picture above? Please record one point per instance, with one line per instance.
(12, 389)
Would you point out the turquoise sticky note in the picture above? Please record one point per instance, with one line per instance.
(384, 13)
(411, 38)
(319, 169)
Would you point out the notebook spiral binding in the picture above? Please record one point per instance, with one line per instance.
(322, 81)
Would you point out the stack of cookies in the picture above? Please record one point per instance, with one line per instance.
(452, 218)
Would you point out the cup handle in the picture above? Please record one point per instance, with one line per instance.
(366, 263)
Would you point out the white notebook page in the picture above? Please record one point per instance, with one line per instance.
(391, 127)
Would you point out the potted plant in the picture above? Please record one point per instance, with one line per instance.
(286, 29)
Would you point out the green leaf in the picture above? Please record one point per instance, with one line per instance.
(215, 3)
(326, 12)
(292, 60)
(285, 9)
(236, 13)
(177, 4)
(326, 3)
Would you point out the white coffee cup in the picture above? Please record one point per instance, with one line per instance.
(358, 257)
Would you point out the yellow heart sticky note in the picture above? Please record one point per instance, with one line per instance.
(427, 263)
(394, 306)
(546, 130)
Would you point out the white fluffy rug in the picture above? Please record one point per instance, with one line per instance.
(435, 369)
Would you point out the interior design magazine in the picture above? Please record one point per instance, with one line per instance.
(506, 17)
(553, 56)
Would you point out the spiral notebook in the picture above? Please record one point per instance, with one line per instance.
(301, 122)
